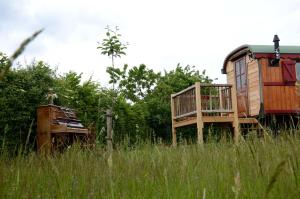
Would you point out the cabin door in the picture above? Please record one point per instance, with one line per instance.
(241, 87)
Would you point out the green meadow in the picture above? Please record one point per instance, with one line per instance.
(255, 168)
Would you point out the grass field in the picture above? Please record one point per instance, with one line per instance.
(256, 168)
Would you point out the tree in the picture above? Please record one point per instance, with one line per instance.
(83, 97)
(158, 101)
(135, 83)
(112, 47)
(21, 91)
(25, 87)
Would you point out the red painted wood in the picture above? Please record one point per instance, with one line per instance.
(279, 84)
(289, 71)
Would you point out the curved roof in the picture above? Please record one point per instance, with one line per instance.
(259, 49)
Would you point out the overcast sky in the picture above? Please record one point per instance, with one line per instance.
(161, 33)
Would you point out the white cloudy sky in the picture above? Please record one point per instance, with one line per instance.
(161, 33)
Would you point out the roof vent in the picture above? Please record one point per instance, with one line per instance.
(275, 61)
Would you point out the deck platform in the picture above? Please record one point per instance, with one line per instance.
(214, 119)
(206, 103)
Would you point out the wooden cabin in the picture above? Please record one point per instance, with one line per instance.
(261, 80)
(263, 87)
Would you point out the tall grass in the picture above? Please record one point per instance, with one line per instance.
(255, 168)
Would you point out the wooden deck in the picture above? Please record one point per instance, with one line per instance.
(206, 103)
(214, 119)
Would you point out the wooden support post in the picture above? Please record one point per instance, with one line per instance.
(199, 114)
(174, 138)
(210, 100)
(235, 122)
(109, 137)
(220, 100)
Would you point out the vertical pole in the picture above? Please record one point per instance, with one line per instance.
(109, 137)
(174, 138)
(220, 100)
(235, 123)
(210, 100)
(199, 114)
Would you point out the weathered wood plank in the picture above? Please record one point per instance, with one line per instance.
(253, 89)
(185, 115)
(183, 91)
(186, 122)
(199, 113)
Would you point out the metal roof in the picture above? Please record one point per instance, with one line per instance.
(259, 49)
(270, 49)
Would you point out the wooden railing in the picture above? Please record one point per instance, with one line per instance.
(215, 100)
(184, 103)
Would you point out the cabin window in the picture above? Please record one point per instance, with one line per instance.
(241, 85)
(298, 71)
(240, 74)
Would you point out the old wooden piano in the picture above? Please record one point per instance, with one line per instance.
(58, 127)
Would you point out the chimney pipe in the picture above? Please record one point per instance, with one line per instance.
(276, 50)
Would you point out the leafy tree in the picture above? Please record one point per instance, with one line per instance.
(21, 91)
(158, 101)
(135, 83)
(112, 46)
(25, 88)
(81, 97)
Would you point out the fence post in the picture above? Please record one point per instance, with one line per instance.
(109, 137)
(199, 114)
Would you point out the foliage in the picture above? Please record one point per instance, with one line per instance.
(25, 88)
(135, 83)
(21, 91)
(83, 97)
(254, 169)
(158, 101)
(4, 65)
(141, 110)
(112, 46)
(150, 94)
(141, 104)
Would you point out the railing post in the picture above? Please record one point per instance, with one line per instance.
(220, 100)
(174, 138)
(235, 123)
(199, 113)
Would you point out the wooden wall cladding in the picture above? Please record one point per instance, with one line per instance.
(279, 96)
(253, 88)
